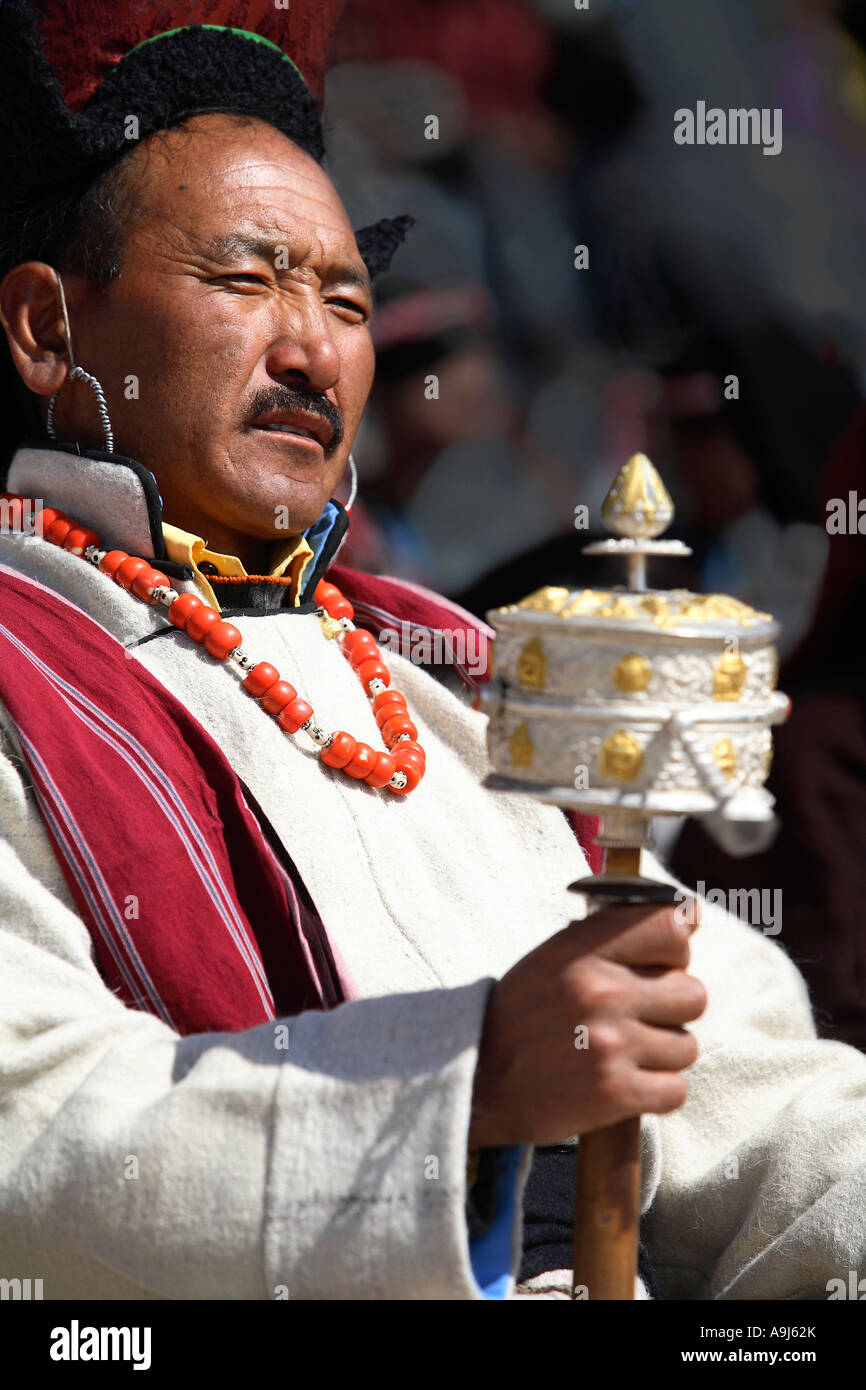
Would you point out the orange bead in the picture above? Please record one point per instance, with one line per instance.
(181, 610)
(413, 777)
(79, 538)
(339, 751)
(14, 511)
(277, 696)
(362, 762)
(410, 747)
(359, 646)
(373, 670)
(328, 596)
(59, 530)
(146, 581)
(294, 714)
(222, 639)
(407, 757)
(383, 770)
(111, 562)
(390, 711)
(125, 573)
(339, 608)
(200, 622)
(357, 637)
(400, 724)
(325, 593)
(260, 679)
(44, 517)
(387, 697)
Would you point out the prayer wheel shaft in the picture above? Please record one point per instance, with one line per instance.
(607, 1199)
(607, 1212)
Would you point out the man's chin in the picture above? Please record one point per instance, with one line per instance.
(291, 488)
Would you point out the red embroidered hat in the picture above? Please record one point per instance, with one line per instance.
(304, 32)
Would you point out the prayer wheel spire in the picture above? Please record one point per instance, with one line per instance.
(638, 508)
(638, 503)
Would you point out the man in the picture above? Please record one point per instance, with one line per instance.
(302, 1102)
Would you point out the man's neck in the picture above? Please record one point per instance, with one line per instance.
(253, 552)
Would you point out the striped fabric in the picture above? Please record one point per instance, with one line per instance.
(196, 911)
(195, 908)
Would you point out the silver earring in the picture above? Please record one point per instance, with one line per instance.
(82, 375)
(353, 490)
(101, 406)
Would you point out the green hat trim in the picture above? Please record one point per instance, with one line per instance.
(221, 29)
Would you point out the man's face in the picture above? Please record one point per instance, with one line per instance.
(243, 302)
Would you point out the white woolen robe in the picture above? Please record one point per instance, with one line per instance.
(305, 1170)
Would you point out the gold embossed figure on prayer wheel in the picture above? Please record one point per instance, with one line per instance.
(632, 703)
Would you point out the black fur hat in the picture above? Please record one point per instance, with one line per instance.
(73, 73)
(46, 145)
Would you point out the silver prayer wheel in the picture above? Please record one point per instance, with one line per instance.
(631, 703)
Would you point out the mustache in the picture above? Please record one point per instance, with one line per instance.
(290, 398)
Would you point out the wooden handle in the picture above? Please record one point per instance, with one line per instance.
(607, 1212)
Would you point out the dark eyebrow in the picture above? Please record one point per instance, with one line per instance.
(347, 274)
(236, 245)
(232, 247)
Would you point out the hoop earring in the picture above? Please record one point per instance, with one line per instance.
(101, 406)
(353, 490)
(82, 375)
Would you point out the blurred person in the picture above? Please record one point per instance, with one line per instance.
(438, 381)
(817, 862)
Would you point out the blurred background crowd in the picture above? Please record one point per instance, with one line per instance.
(513, 383)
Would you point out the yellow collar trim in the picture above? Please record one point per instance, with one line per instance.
(289, 557)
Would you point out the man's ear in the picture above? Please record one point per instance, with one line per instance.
(31, 315)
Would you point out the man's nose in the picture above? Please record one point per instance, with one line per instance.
(305, 350)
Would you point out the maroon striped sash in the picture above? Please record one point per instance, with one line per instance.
(196, 911)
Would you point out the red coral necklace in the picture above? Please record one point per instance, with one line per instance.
(400, 769)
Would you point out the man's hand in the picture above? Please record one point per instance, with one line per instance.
(588, 1030)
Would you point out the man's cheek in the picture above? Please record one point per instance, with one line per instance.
(359, 385)
(368, 367)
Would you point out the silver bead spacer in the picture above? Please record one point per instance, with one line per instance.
(376, 686)
(402, 738)
(329, 740)
(398, 781)
(240, 658)
(319, 736)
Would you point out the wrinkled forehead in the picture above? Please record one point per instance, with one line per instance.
(219, 177)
